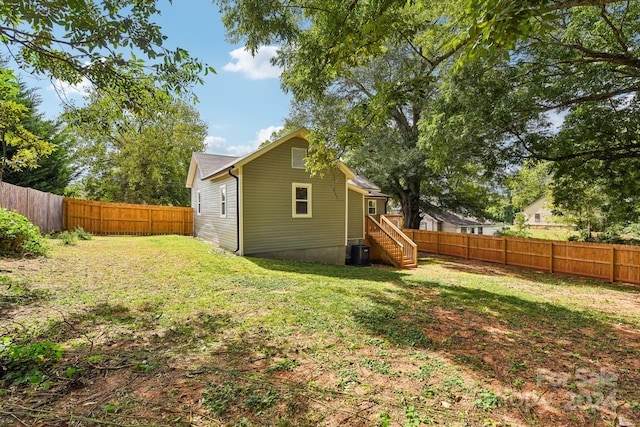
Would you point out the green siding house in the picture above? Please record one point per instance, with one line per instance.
(266, 204)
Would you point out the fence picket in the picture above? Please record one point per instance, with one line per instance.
(602, 261)
(42, 209)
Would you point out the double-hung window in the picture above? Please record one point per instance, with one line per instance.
(198, 202)
(301, 200)
(371, 207)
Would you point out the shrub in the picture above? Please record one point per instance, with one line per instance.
(21, 364)
(18, 236)
(507, 232)
(71, 237)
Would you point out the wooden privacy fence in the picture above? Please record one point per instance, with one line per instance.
(42, 209)
(127, 219)
(601, 261)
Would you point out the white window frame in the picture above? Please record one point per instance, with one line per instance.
(223, 201)
(370, 204)
(294, 200)
(198, 203)
(296, 152)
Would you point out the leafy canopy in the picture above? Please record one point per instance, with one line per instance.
(103, 41)
(137, 156)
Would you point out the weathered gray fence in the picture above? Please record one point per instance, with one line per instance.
(43, 209)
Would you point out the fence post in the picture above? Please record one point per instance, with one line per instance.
(612, 276)
(100, 225)
(551, 257)
(150, 222)
(466, 246)
(437, 242)
(504, 252)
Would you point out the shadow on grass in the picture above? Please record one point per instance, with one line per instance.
(521, 344)
(485, 268)
(372, 273)
(18, 293)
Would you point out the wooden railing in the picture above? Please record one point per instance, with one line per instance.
(384, 241)
(403, 253)
(410, 249)
(396, 219)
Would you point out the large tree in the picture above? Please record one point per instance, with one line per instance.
(112, 44)
(518, 65)
(19, 147)
(568, 97)
(137, 156)
(54, 170)
(370, 117)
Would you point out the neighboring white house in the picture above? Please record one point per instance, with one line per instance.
(539, 215)
(437, 219)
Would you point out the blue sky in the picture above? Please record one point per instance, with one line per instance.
(241, 104)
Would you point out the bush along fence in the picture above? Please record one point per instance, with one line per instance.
(127, 219)
(601, 261)
(42, 209)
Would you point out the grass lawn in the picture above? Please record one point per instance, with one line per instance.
(562, 235)
(170, 331)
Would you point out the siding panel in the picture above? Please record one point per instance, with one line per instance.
(267, 202)
(208, 225)
(356, 215)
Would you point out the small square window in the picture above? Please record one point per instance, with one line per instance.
(301, 203)
(536, 217)
(297, 157)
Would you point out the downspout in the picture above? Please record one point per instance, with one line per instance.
(237, 208)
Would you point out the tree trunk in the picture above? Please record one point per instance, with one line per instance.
(410, 206)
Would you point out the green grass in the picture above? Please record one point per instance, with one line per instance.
(561, 235)
(197, 336)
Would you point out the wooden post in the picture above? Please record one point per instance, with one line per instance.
(150, 222)
(466, 246)
(437, 242)
(504, 251)
(100, 225)
(612, 275)
(551, 257)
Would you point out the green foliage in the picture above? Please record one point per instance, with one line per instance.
(529, 184)
(256, 397)
(72, 41)
(487, 400)
(18, 236)
(53, 171)
(19, 147)
(71, 237)
(21, 364)
(137, 156)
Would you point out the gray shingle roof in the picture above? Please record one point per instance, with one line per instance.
(209, 164)
(451, 218)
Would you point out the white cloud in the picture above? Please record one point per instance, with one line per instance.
(65, 89)
(256, 67)
(219, 144)
(264, 134)
(214, 144)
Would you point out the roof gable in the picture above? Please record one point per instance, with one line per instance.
(211, 165)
